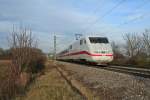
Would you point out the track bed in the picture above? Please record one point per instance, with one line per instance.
(110, 85)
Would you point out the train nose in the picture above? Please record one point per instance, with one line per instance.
(103, 58)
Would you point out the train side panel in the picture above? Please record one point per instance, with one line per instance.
(77, 52)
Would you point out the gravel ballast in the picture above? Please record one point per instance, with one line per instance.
(108, 84)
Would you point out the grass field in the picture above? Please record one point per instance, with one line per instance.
(50, 86)
(4, 68)
(4, 74)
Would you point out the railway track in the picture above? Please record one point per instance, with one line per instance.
(121, 69)
(128, 70)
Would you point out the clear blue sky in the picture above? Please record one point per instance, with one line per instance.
(67, 17)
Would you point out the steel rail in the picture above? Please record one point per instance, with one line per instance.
(128, 70)
(142, 72)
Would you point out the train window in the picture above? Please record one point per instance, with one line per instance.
(71, 47)
(84, 41)
(98, 40)
(81, 42)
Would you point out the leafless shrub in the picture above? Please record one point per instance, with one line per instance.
(134, 44)
(138, 48)
(146, 40)
(118, 55)
(115, 47)
(37, 62)
(117, 50)
(25, 59)
(21, 44)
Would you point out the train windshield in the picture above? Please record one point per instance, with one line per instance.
(98, 40)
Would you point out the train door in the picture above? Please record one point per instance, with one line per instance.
(82, 49)
(70, 51)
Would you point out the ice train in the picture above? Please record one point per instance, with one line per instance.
(92, 49)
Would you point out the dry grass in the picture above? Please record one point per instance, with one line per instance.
(4, 67)
(5, 87)
(51, 86)
(3, 70)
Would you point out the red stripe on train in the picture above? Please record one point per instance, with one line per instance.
(85, 52)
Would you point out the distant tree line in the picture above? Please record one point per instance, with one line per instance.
(5, 53)
(136, 50)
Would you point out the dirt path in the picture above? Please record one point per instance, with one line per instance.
(51, 86)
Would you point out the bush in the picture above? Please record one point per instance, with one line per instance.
(119, 59)
(5, 54)
(37, 63)
(26, 59)
(12, 83)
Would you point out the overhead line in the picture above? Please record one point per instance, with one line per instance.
(142, 5)
(95, 11)
(132, 20)
(137, 18)
(108, 12)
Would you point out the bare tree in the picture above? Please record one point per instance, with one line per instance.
(115, 47)
(26, 59)
(21, 44)
(134, 44)
(146, 40)
(118, 55)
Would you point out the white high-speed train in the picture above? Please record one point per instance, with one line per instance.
(89, 49)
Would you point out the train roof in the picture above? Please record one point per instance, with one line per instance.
(87, 36)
